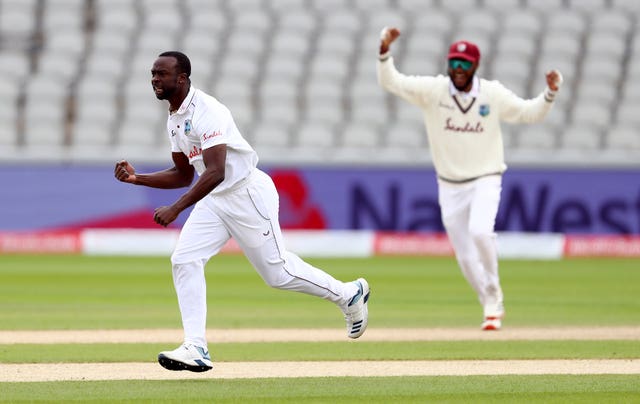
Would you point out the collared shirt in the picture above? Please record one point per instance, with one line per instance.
(202, 122)
(475, 88)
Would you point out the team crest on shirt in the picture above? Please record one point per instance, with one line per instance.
(484, 109)
(187, 127)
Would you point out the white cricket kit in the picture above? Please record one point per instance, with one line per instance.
(243, 206)
(467, 149)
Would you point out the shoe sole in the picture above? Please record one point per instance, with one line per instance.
(493, 323)
(171, 364)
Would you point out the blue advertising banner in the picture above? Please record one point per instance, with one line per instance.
(571, 201)
(558, 201)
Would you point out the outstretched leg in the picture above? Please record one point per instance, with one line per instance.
(251, 215)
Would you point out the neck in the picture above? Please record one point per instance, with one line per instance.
(176, 102)
(467, 86)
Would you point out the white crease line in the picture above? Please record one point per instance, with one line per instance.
(319, 335)
(243, 370)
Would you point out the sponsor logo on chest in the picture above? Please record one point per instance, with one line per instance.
(470, 127)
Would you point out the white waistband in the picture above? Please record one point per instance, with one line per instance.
(238, 185)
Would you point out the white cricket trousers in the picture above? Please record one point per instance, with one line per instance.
(469, 213)
(248, 212)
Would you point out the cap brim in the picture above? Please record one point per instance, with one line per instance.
(462, 56)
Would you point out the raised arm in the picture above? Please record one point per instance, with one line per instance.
(518, 110)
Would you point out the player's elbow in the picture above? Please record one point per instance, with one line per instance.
(186, 179)
(214, 176)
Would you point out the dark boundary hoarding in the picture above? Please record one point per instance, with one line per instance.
(568, 201)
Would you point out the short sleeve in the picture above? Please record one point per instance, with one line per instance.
(212, 128)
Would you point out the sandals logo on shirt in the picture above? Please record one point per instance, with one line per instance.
(194, 152)
(484, 109)
(187, 127)
(207, 136)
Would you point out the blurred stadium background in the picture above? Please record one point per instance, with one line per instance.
(299, 77)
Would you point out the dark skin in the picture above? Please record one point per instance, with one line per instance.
(462, 80)
(172, 85)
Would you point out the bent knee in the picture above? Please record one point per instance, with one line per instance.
(277, 280)
(178, 260)
(181, 261)
(467, 262)
(276, 277)
(481, 235)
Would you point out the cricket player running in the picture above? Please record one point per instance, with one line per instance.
(462, 115)
(232, 198)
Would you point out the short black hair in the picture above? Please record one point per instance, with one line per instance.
(184, 64)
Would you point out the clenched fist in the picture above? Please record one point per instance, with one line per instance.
(125, 172)
(554, 80)
(387, 36)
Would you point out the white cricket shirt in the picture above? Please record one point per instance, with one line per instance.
(202, 122)
(464, 132)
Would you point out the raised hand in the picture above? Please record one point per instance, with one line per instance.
(554, 79)
(387, 36)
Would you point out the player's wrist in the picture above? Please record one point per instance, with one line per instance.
(137, 179)
(549, 94)
(385, 41)
(177, 207)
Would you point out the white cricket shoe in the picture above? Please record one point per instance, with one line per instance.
(493, 315)
(186, 357)
(357, 313)
(491, 324)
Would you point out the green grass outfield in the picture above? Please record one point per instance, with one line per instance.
(76, 292)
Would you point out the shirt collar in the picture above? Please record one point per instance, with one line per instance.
(187, 101)
(475, 88)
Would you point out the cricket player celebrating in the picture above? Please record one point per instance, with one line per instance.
(462, 115)
(232, 198)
